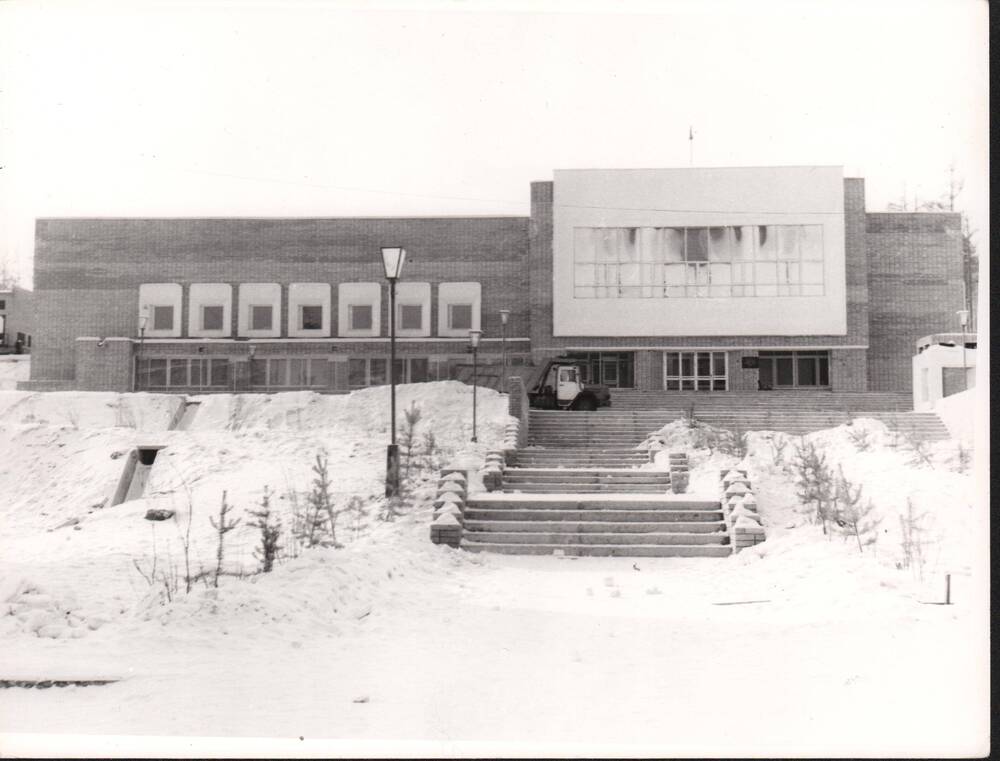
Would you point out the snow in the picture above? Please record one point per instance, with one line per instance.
(14, 368)
(396, 646)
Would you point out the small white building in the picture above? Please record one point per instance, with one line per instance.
(945, 364)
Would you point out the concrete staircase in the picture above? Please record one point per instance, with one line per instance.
(585, 494)
(633, 415)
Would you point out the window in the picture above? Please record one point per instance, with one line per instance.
(694, 371)
(311, 318)
(261, 316)
(283, 372)
(411, 317)
(374, 371)
(361, 316)
(698, 262)
(3, 303)
(183, 372)
(211, 317)
(460, 316)
(788, 369)
(163, 318)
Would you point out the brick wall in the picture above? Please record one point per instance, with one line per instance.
(915, 276)
(106, 367)
(88, 271)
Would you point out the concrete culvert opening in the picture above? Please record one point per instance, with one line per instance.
(147, 455)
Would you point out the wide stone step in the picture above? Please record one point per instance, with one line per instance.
(585, 488)
(574, 538)
(602, 550)
(708, 517)
(591, 526)
(570, 478)
(586, 476)
(495, 501)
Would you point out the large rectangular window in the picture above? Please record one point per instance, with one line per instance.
(460, 316)
(211, 317)
(695, 371)
(792, 369)
(311, 318)
(284, 372)
(698, 262)
(374, 371)
(183, 373)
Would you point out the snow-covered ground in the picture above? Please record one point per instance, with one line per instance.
(14, 368)
(390, 645)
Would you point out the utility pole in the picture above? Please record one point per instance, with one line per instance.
(691, 145)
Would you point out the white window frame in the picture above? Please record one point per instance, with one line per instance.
(359, 294)
(414, 294)
(308, 295)
(696, 377)
(462, 293)
(158, 295)
(201, 295)
(258, 295)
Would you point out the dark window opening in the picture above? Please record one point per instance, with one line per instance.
(460, 316)
(312, 318)
(261, 317)
(411, 317)
(361, 316)
(163, 318)
(211, 318)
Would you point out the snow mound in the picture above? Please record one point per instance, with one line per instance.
(14, 368)
(89, 409)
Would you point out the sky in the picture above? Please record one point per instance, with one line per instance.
(437, 108)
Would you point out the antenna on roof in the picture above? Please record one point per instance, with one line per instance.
(691, 145)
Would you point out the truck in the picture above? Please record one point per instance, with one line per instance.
(558, 385)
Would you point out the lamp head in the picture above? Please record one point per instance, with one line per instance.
(474, 336)
(963, 317)
(393, 258)
(143, 321)
(504, 316)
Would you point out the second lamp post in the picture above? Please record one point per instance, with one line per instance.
(474, 346)
(392, 261)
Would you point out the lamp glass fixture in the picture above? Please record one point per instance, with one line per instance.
(143, 321)
(963, 317)
(392, 260)
(504, 314)
(474, 338)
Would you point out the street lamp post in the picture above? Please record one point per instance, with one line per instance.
(963, 319)
(392, 261)
(138, 355)
(474, 346)
(504, 316)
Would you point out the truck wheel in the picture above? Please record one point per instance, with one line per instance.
(586, 404)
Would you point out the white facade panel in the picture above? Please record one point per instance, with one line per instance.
(359, 295)
(213, 297)
(162, 299)
(458, 295)
(307, 296)
(413, 296)
(649, 297)
(259, 296)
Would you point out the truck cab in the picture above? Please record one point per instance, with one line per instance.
(559, 385)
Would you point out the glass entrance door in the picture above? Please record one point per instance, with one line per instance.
(793, 369)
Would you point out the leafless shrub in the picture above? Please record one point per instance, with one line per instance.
(408, 437)
(357, 510)
(963, 456)
(912, 541)
(779, 443)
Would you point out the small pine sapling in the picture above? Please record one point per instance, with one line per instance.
(432, 452)
(814, 481)
(920, 448)
(222, 527)
(357, 511)
(851, 515)
(861, 438)
(408, 437)
(689, 418)
(320, 525)
(270, 532)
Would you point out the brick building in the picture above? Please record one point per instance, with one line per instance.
(686, 279)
